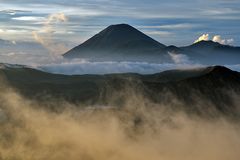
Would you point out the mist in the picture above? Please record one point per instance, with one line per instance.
(59, 65)
(106, 67)
(139, 130)
(82, 66)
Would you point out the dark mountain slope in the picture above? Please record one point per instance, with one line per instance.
(123, 42)
(117, 36)
(216, 87)
(204, 91)
(206, 45)
(209, 52)
(117, 42)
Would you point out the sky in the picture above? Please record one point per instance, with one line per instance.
(177, 22)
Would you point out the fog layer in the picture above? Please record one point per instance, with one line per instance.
(139, 130)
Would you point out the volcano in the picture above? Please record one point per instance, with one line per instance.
(118, 42)
(123, 42)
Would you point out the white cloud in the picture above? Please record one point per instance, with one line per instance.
(223, 11)
(204, 37)
(13, 31)
(56, 17)
(218, 38)
(14, 42)
(170, 26)
(29, 18)
(80, 66)
(161, 33)
(38, 38)
(179, 58)
(215, 38)
(48, 30)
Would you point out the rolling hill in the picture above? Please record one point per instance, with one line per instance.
(202, 90)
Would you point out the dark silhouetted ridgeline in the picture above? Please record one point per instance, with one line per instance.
(200, 90)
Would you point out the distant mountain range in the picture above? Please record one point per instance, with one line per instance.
(123, 42)
(203, 91)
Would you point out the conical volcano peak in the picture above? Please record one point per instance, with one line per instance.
(123, 42)
(124, 33)
(120, 26)
(119, 39)
(123, 28)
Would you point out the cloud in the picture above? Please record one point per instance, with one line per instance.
(13, 12)
(55, 18)
(29, 18)
(171, 26)
(74, 67)
(204, 37)
(28, 58)
(57, 64)
(14, 42)
(215, 38)
(169, 16)
(44, 36)
(38, 38)
(218, 38)
(160, 33)
(179, 58)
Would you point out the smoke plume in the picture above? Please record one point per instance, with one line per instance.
(44, 36)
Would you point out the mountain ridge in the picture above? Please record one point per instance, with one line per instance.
(211, 84)
(120, 38)
(123, 42)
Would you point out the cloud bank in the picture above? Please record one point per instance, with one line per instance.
(80, 66)
(88, 67)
